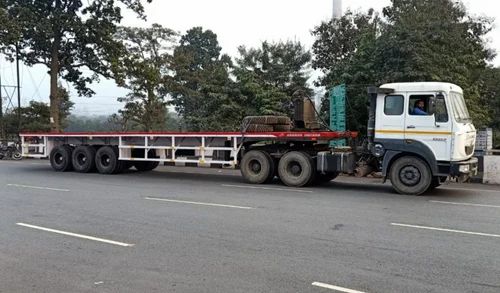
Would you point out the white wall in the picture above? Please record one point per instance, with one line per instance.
(491, 170)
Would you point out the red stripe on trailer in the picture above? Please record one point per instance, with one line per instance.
(283, 135)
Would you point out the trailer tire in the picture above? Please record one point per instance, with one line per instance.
(257, 167)
(146, 166)
(83, 159)
(296, 169)
(106, 160)
(60, 158)
(410, 176)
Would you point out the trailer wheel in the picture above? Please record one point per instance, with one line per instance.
(106, 160)
(60, 158)
(326, 177)
(146, 166)
(410, 176)
(296, 169)
(83, 159)
(257, 167)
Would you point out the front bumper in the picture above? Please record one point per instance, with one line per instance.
(464, 169)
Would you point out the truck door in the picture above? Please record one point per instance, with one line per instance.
(435, 131)
(390, 120)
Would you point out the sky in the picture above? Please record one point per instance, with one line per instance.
(235, 22)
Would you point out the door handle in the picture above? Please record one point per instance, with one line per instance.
(410, 127)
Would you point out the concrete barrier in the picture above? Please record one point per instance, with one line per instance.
(491, 173)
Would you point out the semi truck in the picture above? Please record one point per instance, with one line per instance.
(417, 150)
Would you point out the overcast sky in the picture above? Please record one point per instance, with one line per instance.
(236, 23)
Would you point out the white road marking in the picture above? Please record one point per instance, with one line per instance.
(336, 288)
(465, 204)
(268, 188)
(199, 203)
(446, 230)
(472, 190)
(75, 235)
(38, 187)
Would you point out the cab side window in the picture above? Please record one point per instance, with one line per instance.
(394, 105)
(419, 105)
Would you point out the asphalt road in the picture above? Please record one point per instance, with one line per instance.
(198, 230)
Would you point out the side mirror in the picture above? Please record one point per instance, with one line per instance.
(431, 107)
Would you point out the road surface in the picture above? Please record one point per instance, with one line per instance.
(205, 230)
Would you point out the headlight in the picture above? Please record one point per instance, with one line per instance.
(464, 169)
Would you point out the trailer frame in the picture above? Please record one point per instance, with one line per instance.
(207, 148)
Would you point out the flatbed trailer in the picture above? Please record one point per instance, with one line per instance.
(113, 152)
(416, 152)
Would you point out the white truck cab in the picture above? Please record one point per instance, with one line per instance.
(422, 122)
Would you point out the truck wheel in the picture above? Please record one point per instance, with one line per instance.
(106, 160)
(60, 158)
(83, 159)
(146, 166)
(296, 169)
(325, 178)
(410, 176)
(257, 167)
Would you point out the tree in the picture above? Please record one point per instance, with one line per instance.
(145, 67)
(431, 40)
(269, 76)
(36, 116)
(202, 92)
(490, 92)
(344, 52)
(436, 40)
(68, 37)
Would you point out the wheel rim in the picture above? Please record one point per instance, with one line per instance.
(410, 175)
(105, 160)
(294, 169)
(255, 166)
(81, 159)
(59, 158)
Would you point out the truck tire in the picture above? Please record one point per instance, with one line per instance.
(258, 128)
(296, 169)
(106, 160)
(325, 178)
(60, 158)
(257, 167)
(266, 120)
(410, 176)
(282, 127)
(83, 159)
(145, 166)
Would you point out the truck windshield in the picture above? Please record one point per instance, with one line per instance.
(459, 108)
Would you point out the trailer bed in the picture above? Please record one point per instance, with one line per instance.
(194, 148)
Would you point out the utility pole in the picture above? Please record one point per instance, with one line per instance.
(18, 91)
(2, 132)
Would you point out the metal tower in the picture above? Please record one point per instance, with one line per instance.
(337, 9)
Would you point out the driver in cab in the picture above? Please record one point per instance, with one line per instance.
(419, 108)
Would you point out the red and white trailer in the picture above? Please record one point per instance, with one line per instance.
(261, 156)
